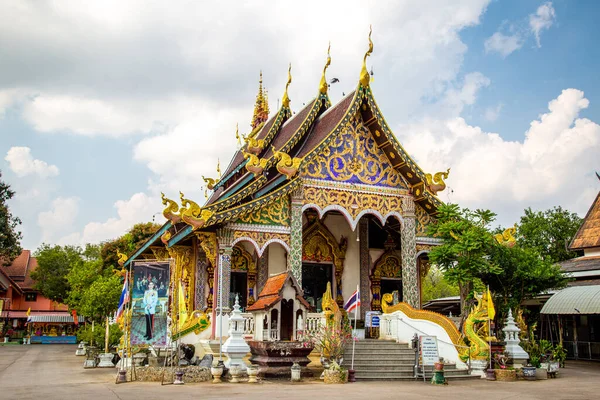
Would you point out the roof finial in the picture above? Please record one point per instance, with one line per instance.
(285, 101)
(261, 106)
(364, 74)
(237, 135)
(219, 168)
(323, 85)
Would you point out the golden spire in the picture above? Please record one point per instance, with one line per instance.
(219, 168)
(261, 106)
(266, 103)
(237, 135)
(285, 101)
(323, 85)
(364, 74)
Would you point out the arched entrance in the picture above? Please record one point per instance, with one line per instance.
(386, 277)
(243, 276)
(322, 261)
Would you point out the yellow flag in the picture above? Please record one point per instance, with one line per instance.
(491, 309)
(28, 312)
(182, 307)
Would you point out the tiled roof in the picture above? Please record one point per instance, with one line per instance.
(588, 234)
(288, 129)
(18, 267)
(588, 263)
(271, 292)
(264, 303)
(29, 282)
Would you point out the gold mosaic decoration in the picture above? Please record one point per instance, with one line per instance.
(185, 270)
(353, 202)
(274, 213)
(260, 239)
(423, 220)
(353, 156)
(208, 242)
(389, 265)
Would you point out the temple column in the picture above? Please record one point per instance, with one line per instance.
(224, 238)
(263, 271)
(410, 278)
(295, 256)
(365, 264)
(207, 242)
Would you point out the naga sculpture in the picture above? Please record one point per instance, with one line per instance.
(507, 237)
(194, 215)
(323, 86)
(287, 165)
(171, 208)
(285, 100)
(254, 164)
(333, 316)
(476, 330)
(436, 183)
(254, 146)
(210, 182)
(365, 78)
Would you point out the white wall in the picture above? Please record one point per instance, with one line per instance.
(277, 259)
(339, 227)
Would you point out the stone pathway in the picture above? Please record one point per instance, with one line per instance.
(54, 372)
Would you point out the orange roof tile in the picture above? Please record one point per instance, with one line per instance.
(264, 303)
(18, 267)
(588, 234)
(271, 292)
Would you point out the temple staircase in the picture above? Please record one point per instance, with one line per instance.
(376, 359)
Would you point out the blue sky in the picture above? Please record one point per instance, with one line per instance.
(104, 106)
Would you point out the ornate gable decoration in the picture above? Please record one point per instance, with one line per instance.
(275, 213)
(353, 157)
(423, 219)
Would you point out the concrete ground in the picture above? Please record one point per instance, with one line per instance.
(54, 372)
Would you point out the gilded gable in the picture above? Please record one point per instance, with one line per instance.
(274, 213)
(353, 157)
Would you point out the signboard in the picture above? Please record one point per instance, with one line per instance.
(150, 303)
(429, 350)
(372, 319)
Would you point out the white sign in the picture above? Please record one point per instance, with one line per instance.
(429, 350)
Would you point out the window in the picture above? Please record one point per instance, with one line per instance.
(30, 296)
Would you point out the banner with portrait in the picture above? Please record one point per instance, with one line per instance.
(149, 303)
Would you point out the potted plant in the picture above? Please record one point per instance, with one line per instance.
(335, 374)
(502, 371)
(559, 354)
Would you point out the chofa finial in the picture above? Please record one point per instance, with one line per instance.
(364, 74)
(323, 85)
(285, 101)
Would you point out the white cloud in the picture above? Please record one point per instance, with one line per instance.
(456, 98)
(138, 208)
(503, 44)
(491, 113)
(59, 218)
(551, 166)
(543, 19)
(22, 163)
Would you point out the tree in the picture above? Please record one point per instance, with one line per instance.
(127, 243)
(101, 298)
(548, 232)
(435, 286)
(524, 275)
(10, 238)
(467, 241)
(54, 264)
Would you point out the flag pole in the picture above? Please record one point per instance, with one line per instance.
(489, 338)
(354, 330)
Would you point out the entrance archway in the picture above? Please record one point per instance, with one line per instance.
(388, 268)
(243, 276)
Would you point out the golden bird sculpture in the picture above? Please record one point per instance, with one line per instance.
(507, 238)
(286, 165)
(436, 182)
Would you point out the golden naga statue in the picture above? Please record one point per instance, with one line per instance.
(253, 145)
(165, 237)
(333, 315)
(287, 165)
(436, 183)
(122, 258)
(210, 182)
(194, 215)
(171, 208)
(507, 238)
(254, 164)
(323, 86)
(476, 328)
(365, 78)
(285, 101)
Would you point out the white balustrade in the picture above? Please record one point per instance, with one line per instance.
(248, 324)
(313, 323)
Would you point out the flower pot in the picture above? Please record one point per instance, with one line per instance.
(529, 373)
(252, 374)
(506, 375)
(234, 370)
(216, 373)
(438, 366)
(335, 376)
(490, 374)
(541, 373)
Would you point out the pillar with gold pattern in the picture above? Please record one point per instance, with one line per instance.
(410, 279)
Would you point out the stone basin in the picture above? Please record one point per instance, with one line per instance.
(274, 359)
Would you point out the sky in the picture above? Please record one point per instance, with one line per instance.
(103, 105)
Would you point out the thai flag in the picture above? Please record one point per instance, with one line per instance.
(124, 298)
(353, 302)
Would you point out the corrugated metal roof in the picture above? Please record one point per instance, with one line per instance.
(574, 300)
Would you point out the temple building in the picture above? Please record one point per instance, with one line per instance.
(327, 193)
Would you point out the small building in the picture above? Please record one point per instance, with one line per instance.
(572, 315)
(18, 296)
(279, 308)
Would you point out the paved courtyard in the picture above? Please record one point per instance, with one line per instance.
(54, 372)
